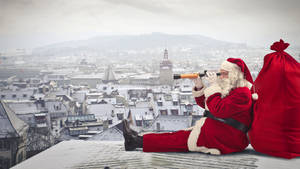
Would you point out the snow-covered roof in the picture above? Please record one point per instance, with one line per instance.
(110, 134)
(91, 132)
(40, 114)
(25, 107)
(41, 125)
(148, 117)
(138, 117)
(171, 123)
(143, 76)
(111, 154)
(92, 76)
(100, 110)
(10, 124)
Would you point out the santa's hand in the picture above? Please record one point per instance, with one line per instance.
(198, 83)
(211, 77)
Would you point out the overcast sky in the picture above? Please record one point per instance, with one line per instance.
(32, 23)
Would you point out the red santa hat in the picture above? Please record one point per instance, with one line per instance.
(237, 64)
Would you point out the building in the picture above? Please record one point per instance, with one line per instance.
(59, 79)
(109, 76)
(36, 114)
(166, 70)
(144, 79)
(13, 136)
(86, 80)
(169, 123)
(113, 133)
(31, 112)
(16, 93)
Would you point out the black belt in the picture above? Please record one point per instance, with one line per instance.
(234, 123)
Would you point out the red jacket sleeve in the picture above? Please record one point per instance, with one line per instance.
(200, 101)
(237, 101)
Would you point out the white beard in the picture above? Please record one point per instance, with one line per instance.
(226, 86)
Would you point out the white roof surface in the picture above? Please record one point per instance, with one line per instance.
(10, 124)
(24, 107)
(100, 154)
(172, 123)
(111, 134)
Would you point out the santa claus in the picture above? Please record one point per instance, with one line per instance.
(228, 104)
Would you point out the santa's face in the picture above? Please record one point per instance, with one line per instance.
(224, 74)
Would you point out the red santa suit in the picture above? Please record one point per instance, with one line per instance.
(276, 125)
(209, 135)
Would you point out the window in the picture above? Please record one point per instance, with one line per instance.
(4, 145)
(120, 116)
(174, 112)
(24, 95)
(4, 163)
(163, 112)
(159, 103)
(2, 96)
(7, 145)
(20, 157)
(14, 96)
(175, 103)
(189, 107)
(138, 122)
(158, 126)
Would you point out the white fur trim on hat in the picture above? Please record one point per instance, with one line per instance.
(248, 84)
(193, 139)
(214, 88)
(197, 93)
(228, 66)
(254, 96)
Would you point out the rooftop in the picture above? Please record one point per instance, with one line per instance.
(10, 124)
(171, 123)
(100, 154)
(25, 107)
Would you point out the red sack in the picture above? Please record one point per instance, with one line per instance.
(276, 125)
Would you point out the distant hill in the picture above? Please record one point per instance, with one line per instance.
(123, 43)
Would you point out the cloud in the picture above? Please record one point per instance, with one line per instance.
(255, 21)
(152, 6)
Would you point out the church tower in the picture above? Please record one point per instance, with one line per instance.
(166, 70)
(109, 75)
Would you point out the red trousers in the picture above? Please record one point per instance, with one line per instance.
(166, 142)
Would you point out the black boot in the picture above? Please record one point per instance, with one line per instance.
(127, 129)
(132, 139)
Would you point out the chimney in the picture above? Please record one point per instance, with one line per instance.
(105, 124)
(158, 126)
